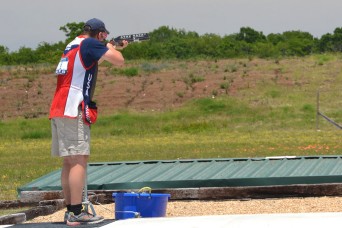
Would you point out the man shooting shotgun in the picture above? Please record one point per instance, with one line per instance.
(73, 111)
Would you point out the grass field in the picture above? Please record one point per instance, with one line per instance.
(269, 119)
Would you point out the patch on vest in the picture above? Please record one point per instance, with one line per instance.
(62, 68)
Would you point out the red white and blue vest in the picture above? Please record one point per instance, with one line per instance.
(76, 81)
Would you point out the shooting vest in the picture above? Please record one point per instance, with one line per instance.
(71, 75)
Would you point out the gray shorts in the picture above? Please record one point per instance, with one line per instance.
(70, 136)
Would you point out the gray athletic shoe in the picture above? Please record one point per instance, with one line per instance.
(83, 218)
(66, 216)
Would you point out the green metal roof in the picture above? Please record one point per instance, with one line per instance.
(230, 172)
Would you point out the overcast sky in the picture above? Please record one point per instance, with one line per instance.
(29, 22)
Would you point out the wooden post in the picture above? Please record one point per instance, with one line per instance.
(317, 111)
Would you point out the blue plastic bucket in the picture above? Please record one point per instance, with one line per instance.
(132, 205)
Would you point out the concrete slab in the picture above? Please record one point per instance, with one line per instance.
(236, 221)
(300, 220)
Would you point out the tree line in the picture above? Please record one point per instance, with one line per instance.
(171, 43)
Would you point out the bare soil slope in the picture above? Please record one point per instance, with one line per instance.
(158, 86)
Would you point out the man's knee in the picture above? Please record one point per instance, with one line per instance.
(75, 160)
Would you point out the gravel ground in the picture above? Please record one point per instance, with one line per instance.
(225, 207)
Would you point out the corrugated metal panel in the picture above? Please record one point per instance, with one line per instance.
(203, 173)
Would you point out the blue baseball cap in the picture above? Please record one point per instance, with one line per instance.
(96, 24)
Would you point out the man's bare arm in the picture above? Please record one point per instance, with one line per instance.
(113, 55)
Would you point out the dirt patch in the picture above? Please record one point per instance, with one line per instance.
(226, 207)
(158, 86)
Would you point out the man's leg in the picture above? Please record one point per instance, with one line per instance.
(65, 182)
(73, 178)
